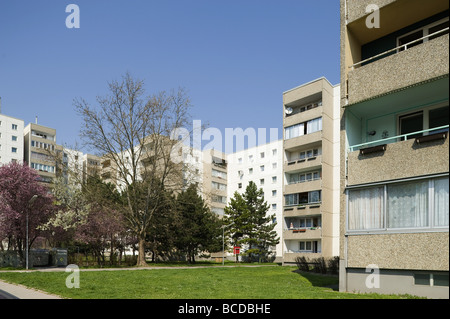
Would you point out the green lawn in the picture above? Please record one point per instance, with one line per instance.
(270, 282)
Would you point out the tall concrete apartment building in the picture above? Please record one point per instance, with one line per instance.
(39, 147)
(261, 164)
(394, 147)
(311, 171)
(11, 139)
(214, 179)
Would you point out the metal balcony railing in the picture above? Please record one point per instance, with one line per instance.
(404, 46)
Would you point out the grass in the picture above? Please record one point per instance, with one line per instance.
(272, 282)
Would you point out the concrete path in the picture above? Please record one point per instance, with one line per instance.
(13, 291)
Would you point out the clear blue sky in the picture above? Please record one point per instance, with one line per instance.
(235, 57)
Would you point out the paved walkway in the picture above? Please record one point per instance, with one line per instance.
(13, 291)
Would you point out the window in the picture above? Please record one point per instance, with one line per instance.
(305, 246)
(262, 154)
(274, 193)
(302, 198)
(422, 279)
(309, 246)
(308, 154)
(274, 152)
(239, 185)
(440, 280)
(291, 110)
(219, 199)
(303, 128)
(274, 165)
(429, 118)
(410, 37)
(423, 32)
(240, 160)
(294, 131)
(438, 117)
(411, 123)
(261, 181)
(274, 206)
(262, 168)
(314, 197)
(14, 138)
(409, 201)
(219, 186)
(14, 149)
(250, 170)
(314, 125)
(14, 127)
(406, 205)
(303, 177)
(219, 174)
(274, 179)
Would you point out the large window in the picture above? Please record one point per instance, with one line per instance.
(365, 209)
(301, 129)
(219, 186)
(407, 205)
(429, 118)
(423, 32)
(302, 198)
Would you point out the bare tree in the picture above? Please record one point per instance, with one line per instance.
(131, 132)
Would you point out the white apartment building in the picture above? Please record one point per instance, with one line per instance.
(264, 166)
(11, 139)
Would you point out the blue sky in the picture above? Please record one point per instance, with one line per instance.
(235, 58)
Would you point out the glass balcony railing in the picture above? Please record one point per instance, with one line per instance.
(398, 138)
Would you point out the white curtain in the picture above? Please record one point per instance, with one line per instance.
(441, 205)
(314, 125)
(365, 209)
(408, 205)
(294, 131)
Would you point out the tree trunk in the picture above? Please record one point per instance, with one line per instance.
(141, 255)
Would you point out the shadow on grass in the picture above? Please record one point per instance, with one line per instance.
(320, 280)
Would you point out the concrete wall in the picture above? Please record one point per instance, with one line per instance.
(400, 160)
(393, 282)
(420, 251)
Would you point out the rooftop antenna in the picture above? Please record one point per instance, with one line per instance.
(36, 119)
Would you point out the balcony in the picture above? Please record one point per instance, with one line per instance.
(290, 256)
(385, 73)
(304, 186)
(302, 210)
(313, 110)
(303, 140)
(400, 157)
(302, 233)
(303, 164)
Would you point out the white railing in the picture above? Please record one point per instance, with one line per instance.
(404, 46)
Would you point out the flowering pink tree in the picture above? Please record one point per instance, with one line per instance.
(22, 196)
